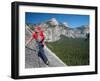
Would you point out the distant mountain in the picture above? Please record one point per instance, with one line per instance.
(54, 29)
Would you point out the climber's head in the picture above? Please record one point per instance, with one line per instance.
(37, 29)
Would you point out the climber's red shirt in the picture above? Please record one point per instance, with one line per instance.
(41, 34)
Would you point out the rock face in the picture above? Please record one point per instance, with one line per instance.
(53, 30)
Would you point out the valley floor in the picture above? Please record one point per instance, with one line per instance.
(71, 51)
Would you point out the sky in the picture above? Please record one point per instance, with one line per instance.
(73, 20)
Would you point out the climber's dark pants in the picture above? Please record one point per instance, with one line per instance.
(41, 53)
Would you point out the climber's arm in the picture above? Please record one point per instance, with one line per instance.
(30, 39)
